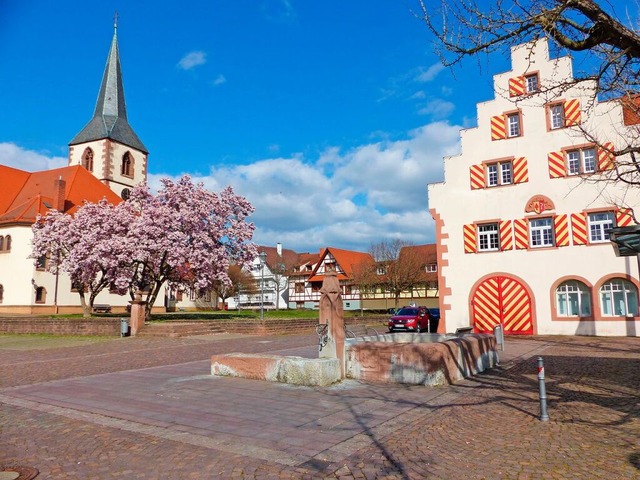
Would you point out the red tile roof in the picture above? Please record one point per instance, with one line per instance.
(345, 259)
(427, 252)
(24, 195)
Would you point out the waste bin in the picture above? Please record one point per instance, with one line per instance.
(124, 327)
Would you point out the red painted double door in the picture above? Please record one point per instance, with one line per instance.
(502, 300)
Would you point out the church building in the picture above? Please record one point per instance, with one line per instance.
(107, 146)
(106, 160)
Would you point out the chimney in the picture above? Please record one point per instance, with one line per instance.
(279, 249)
(59, 189)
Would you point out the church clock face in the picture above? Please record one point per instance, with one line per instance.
(125, 193)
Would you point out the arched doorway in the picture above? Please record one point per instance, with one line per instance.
(502, 300)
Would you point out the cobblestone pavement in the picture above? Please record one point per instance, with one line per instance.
(139, 408)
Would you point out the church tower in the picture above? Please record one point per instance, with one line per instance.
(107, 146)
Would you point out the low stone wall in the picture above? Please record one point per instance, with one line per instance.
(105, 326)
(276, 368)
(294, 325)
(440, 363)
(111, 325)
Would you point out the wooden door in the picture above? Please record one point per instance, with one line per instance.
(502, 300)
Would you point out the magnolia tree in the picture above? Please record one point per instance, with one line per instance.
(184, 236)
(83, 246)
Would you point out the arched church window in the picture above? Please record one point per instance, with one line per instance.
(87, 159)
(7, 243)
(127, 165)
(1, 293)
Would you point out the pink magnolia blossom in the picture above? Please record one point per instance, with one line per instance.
(82, 246)
(184, 236)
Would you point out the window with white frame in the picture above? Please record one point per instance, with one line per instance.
(431, 267)
(600, 225)
(556, 116)
(573, 299)
(531, 83)
(581, 161)
(499, 173)
(513, 125)
(488, 237)
(541, 232)
(619, 298)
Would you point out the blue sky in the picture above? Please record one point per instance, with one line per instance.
(330, 117)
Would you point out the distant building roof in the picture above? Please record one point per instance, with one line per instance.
(346, 260)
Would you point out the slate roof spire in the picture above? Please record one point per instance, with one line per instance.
(110, 115)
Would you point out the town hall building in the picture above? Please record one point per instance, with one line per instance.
(524, 214)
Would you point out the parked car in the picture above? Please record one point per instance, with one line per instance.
(435, 312)
(417, 319)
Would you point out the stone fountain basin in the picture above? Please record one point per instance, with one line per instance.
(418, 359)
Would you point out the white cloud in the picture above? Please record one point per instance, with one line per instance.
(349, 200)
(437, 109)
(192, 60)
(219, 80)
(17, 157)
(430, 73)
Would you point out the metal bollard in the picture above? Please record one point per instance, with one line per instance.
(543, 392)
(498, 332)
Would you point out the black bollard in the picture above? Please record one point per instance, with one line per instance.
(543, 392)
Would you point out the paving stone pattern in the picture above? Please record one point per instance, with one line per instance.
(137, 408)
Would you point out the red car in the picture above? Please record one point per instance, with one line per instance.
(413, 319)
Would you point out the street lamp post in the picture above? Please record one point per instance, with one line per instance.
(263, 260)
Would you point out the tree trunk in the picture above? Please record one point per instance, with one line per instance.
(151, 298)
(86, 309)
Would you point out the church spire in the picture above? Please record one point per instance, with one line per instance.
(110, 115)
